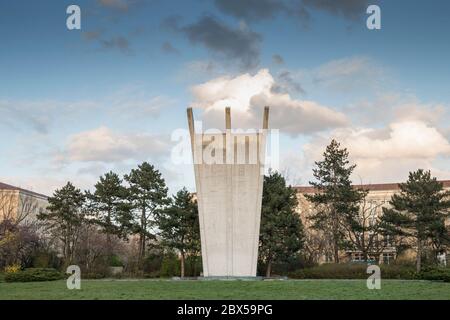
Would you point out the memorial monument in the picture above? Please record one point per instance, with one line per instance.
(229, 172)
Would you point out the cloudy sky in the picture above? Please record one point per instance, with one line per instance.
(76, 104)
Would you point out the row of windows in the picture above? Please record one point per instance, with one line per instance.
(386, 257)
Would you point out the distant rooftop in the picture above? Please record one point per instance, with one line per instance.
(370, 187)
(4, 186)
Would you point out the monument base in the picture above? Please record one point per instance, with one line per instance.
(230, 278)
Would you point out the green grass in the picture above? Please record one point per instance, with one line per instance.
(289, 289)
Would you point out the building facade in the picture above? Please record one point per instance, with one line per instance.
(378, 197)
(20, 205)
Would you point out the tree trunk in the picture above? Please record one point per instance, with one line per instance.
(335, 236)
(182, 264)
(142, 237)
(194, 259)
(336, 251)
(144, 240)
(419, 255)
(108, 235)
(269, 269)
(365, 256)
(141, 246)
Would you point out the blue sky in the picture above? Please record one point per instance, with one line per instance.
(75, 104)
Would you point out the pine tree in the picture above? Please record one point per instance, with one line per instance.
(281, 235)
(335, 197)
(64, 217)
(179, 226)
(112, 212)
(418, 211)
(147, 194)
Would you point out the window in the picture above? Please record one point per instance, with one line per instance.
(388, 257)
(387, 241)
(357, 256)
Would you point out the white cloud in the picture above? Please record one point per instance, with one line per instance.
(247, 95)
(395, 107)
(408, 139)
(104, 145)
(386, 154)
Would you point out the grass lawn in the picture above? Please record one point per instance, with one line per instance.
(167, 289)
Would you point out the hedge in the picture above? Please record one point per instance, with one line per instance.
(436, 274)
(34, 274)
(353, 271)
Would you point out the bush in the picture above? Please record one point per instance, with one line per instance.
(436, 274)
(352, 271)
(286, 267)
(115, 261)
(170, 266)
(398, 271)
(193, 266)
(332, 271)
(152, 262)
(47, 259)
(152, 275)
(12, 268)
(94, 275)
(34, 274)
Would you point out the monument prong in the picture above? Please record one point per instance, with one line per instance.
(228, 118)
(190, 117)
(266, 118)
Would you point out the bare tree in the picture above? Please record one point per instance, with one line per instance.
(363, 231)
(16, 207)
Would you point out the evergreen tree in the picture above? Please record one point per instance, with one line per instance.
(112, 212)
(179, 226)
(419, 211)
(281, 235)
(335, 197)
(147, 194)
(64, 217)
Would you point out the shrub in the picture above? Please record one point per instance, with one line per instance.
(94, 275)
(398, 271)
(152, 263)
(286, 267)
(12, 268)
(436, 274)
(170, 265)
(47, 259)
(193, 266)
(152, 275)
(332, 271)
(352, 271)
(115, 261)
(34, 274)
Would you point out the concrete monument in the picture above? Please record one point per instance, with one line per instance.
(229, 171)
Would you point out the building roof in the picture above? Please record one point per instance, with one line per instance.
(370, 187)
(4, 186)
